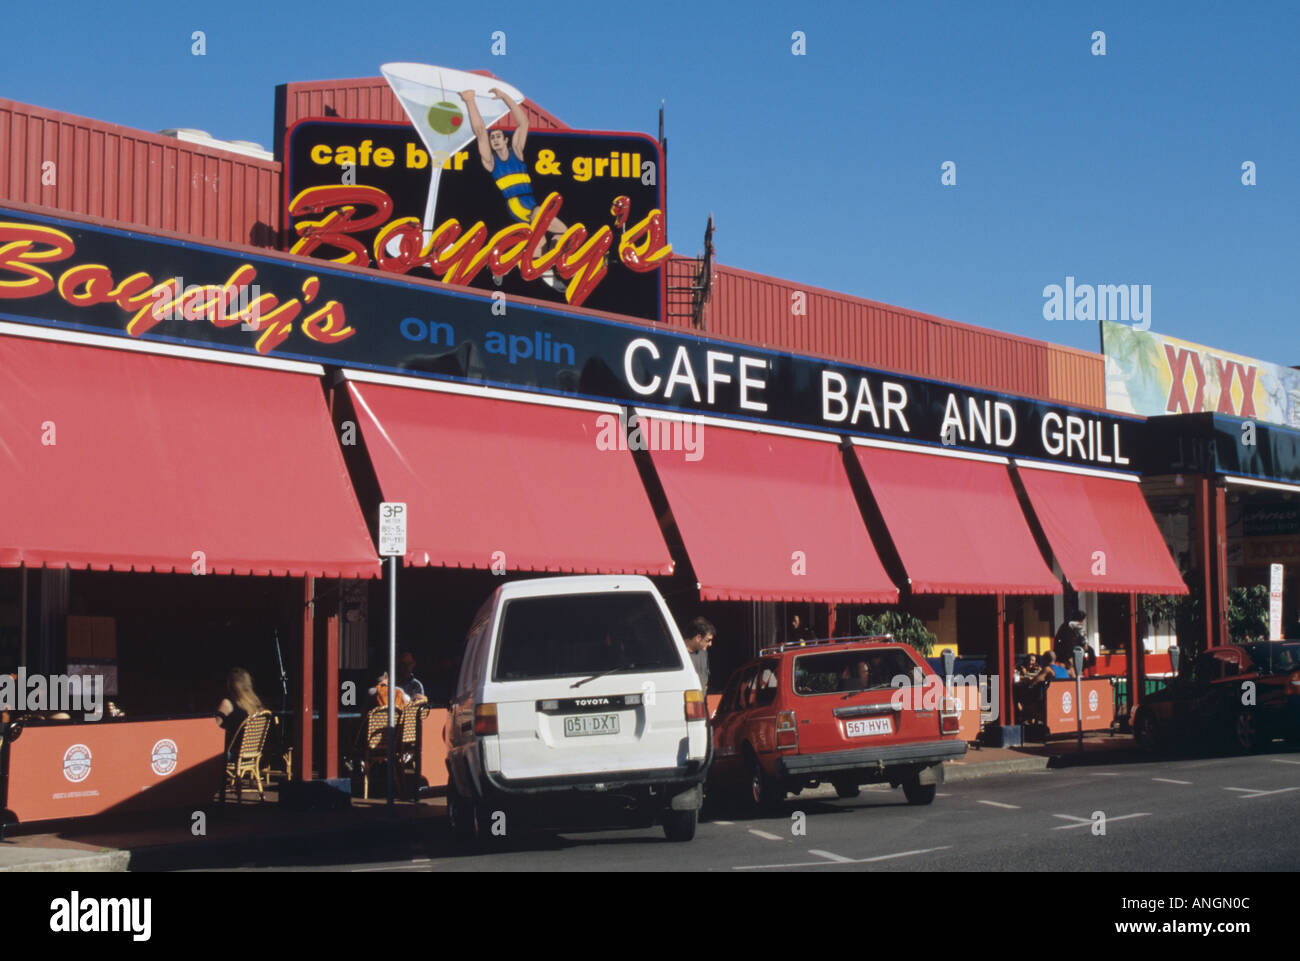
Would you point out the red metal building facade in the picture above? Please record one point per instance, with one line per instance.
(148, 180)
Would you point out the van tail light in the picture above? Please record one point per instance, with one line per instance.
(950, 717)
(485, 719)
(1295, 678)
(787, 735)
(696, 708)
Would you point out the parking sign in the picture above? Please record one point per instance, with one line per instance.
(392, 529)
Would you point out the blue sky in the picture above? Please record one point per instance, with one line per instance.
(825, 168)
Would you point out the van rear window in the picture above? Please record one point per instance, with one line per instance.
(861, 670)
(583, 634)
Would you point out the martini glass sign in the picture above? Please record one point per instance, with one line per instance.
(431, 98)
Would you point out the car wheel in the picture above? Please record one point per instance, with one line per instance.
(1146, 732)
(1246, 732)
(918, 793)
(680, 825)
(847, 789)
(765, 795)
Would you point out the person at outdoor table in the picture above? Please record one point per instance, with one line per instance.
(241, 701)
(1051, 670)
(1073, 633)
(407, 680)
(1025, 674)
(380, 693)
(1028, 668)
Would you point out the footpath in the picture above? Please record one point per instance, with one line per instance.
(239, 831)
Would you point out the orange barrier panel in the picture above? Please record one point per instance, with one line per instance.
(433, 748)
(76, 770)
(1062, 711)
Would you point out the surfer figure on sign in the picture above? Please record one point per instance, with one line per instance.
(504, 160)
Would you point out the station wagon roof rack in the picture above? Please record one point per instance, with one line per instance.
(822, 642)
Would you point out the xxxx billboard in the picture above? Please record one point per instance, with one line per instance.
(1151, 374)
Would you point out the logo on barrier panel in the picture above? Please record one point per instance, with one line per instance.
(76, 763)
(163, 757)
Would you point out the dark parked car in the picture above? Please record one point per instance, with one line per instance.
(843, 712)
(1241, 695)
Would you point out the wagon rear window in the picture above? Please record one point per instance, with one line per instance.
(583, 634)
(830, 672)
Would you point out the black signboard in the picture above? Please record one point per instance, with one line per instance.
(608, 189)
(74, 276)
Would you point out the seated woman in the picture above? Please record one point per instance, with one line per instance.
(241, 702)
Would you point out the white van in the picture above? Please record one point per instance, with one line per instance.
(576, 694)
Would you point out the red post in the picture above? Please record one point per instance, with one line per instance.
(830, 622)
(1004, 675)
(1008, 705)
(1219, 533)
(1131, 661)
(1205, 552)
(330, 707)
(302, 743)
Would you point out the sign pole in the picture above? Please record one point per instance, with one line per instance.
(392, 673)
(1275, 602)
(1078, 693)
(392, 544)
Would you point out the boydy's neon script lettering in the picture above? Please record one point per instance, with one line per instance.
(26, 250)
(456, 255)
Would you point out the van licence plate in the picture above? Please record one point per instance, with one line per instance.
(871, 725)
(584, 725)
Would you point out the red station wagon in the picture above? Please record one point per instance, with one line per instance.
(848, 712)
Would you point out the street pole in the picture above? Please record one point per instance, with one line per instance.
(1078, 693)
(392, 673)
(392, 544)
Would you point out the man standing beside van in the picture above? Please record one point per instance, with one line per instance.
(698, 636)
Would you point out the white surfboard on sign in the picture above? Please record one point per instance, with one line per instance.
(431, 98)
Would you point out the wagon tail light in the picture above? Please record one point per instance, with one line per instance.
(787, 735)
(949, 717)
(1295, 678)
(696, 709)
(485, 719)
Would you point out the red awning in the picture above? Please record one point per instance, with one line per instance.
(503, 484)
(124, 460)
(957, 523)
(767, 517)
(1102, 532)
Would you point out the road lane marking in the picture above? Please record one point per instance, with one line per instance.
(830, 857)
(765, 836)
(1104, 773)
(1169, 780)
(999, 804)
(1084, 822)
(1248, 792)
(814, 864)
(398, 867)
(1282, 760)
(726, 823)
(941, 794)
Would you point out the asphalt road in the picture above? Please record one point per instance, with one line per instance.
(1205, 814)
